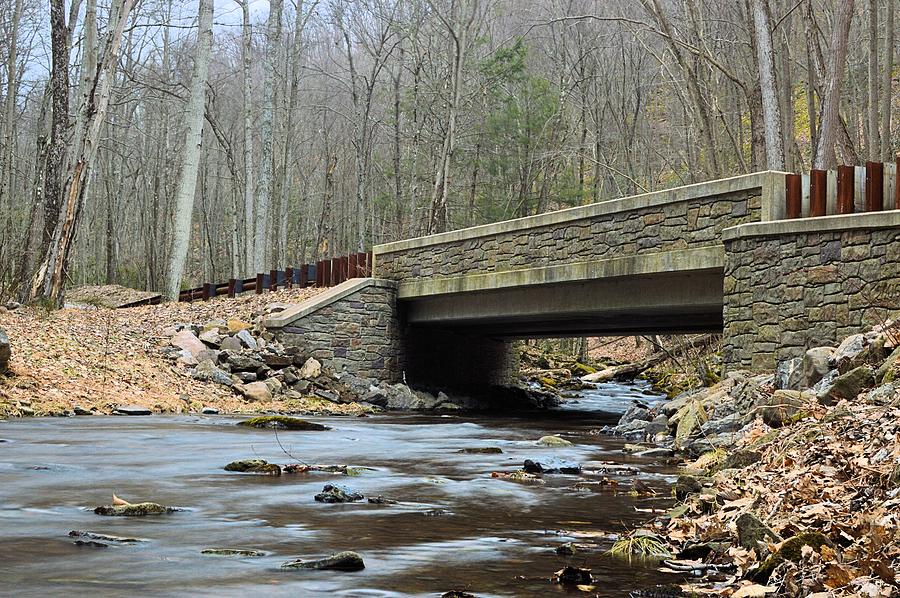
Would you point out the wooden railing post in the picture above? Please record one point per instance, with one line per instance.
(259, 283)
(793, 194)
(232, 283)
(845, 189)
(874, 186)
(818, 187)
(289, 278)
(273, 280)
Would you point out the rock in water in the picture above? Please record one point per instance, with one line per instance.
(254, 466)
(333, 493)
(141, 509)
(132, 410)
(5, 352)
(553, 441)
(233, 552)
(75, 533)
(481, 450)
(282, 422)
(342, 561)
(551, 466)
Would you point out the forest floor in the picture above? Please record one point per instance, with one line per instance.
(101, 359)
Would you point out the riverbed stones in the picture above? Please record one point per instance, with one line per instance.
(481, 450)
(239, 552)
(342, 561)
(142, 509)
(551, 466)
(333, 493)
(75, 533)
(5, 352)
(553, 441)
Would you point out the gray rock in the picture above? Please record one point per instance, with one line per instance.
(659, 425)
(247, 340)
(277, 362)
(328, 395)
(847, 386)
(5, 352)
(342, 561)
(816, 364)
(656, 452)
(208, 372)
(311, 369)
(209, 411)
(332, 493)
(788, 373)
(255, 391)
(635, 412)
(243, 363)
(552, 466)
(780, 408)
(884, 394)
(211, 337)
(12, 305)
(848, 350)
(136, 510)
(246, 377)
(243, 552)
(79, 410)
(132, 410)
(880, 373)
(230, 343)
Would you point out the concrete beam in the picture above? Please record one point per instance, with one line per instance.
(317, 302)
(682, 260)
(766, 181)
(802, 226)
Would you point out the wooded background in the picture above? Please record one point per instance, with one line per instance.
(138, 147)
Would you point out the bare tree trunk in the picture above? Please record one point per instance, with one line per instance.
(766, 64)
(264, 186)
(49, 280)
(187, 180)
(886, 149)
(830, 119)
(874, 145)
(247, 79)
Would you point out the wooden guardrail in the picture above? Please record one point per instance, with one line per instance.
(845, 190)
(324, 273)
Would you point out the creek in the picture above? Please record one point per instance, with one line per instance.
(454, 527)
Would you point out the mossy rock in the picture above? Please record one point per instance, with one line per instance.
(254, 466)
(282, 422)
(136, 510)
(553, 441)
(481, 450)
(791, 550)
(547, 382)
(233, 552)
(580, 369)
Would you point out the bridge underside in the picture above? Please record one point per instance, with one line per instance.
(662, 303)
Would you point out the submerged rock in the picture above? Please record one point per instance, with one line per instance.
(481, 450)
(254, 466)
(567, 549)
(233, 552)
(76, 533)
(380, 500)
(553, 441)
(90, 544)
(342, 561)
(132, 410)
(333, 493)
(141, 509)
(282, 422)
(573, 576)
(551, 466)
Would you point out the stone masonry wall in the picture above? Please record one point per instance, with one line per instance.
(664, 227)
(785, 294)
(360, 333)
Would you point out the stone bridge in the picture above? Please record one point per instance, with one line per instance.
(716, 257)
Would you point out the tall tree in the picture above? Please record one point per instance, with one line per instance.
(829, 121)
(193, 141)
(768, 89)
(247, 82)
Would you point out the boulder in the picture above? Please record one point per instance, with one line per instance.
(551, 466)
(886, 369)
(247, 340)
(311, 369)
(230, 343)
(255, 391)
(136, 510)
(686, 485)
(209, 411)
(342, 561)
(723, 425)
(848, 350)
(236, 325)
(254, 466)
(243, 552)
(208, 372)
(275, 361)
(847, 386)
(274, 385)
(282, 422)
(211, 337)
(481, 450)
(333, 493)
(636, 412)
(884, 394)
(186, 340)
(816, 363)
(687, 420)
(553, 441)
(5, 352)
(243, 363)
(132, 410)
(788, 373)
(783, 406)
(741, 459)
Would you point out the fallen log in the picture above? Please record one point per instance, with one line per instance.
(630, 370)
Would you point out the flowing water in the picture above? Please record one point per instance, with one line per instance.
(455, 527)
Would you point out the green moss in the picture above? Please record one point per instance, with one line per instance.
(791, 550)
(282, 422)
(547, 381)
(580, 369)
